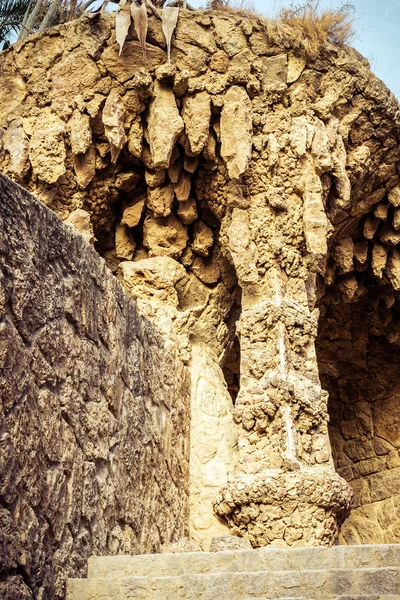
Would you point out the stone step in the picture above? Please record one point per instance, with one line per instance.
(263, 559)
(311, 584)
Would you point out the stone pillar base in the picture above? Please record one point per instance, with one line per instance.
(286, 508)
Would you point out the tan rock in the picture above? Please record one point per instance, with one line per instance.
(165, 125)
(175, 172)
(135, 137)
(191, 163)
(343, 253)
(85, 167)
(154, 178)
(296, 65)
(196, 115)
(132, 213)
(74, 74)
(125, 244)
(47, 149)
(187, 211)
(181, 81)
(113, 119)
(164, 236)
(393, 269)
(182, 188)
(370, 226)
(206, 269)
(396, 219)
(160, 199)
(394, 196)
(81, 132)
(219, 62)
(348, 287)
(127, 180)
(190, 32)
(210, 148)
(361, 251)
(378, 259)
(130, 62)
(236, 131)
(389, 236)
(80, 220)
(275, 74)
(16, 143)
(229, 34)
(203, 238)
(13, 91)
(381, 211)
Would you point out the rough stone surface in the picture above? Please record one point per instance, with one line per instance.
(352, 573)
(94, 410)
(294, 172)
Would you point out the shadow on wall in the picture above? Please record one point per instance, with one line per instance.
(359, 359)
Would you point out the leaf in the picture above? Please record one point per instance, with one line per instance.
(122, 24)
(169, 21)
(139, 15)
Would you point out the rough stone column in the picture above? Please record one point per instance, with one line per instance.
(286, 491)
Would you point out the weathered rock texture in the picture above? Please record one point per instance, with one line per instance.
(94, 438)
(234, 193)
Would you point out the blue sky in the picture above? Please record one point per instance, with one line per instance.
(377, 32)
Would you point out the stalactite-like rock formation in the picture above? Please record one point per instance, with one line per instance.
(234, 192)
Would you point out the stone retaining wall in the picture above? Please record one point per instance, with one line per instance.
(94, 412)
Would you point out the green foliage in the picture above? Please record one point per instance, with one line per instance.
(11, 16)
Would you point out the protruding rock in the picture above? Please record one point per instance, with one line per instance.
(203, 238)
(47, 149)
(394, 196)
(191, 163)
(182, 188)
(370, 226)
(381, 210)
(343, 253)
(206, 269)
(275, 75)
(165, 125)
(164, 236)
(130, 62)
(187, 211)
(361, 251)
(113, 120)
(81, 132)
(161, 199)
(85, 167)
(174, 172)
(296, 65)
(393, 269)
(80, 220)
(16, 144)
(132, 213)
(389, 236)
(396, 219)
(127, 180)
(135, 137)
(236, 131)
(229, 34)
(155, 178)
(196, 115)
(125, 244)
(378, 259)
(348, 287)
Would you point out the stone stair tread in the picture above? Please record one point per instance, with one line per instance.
(263, 559)
(317, 584)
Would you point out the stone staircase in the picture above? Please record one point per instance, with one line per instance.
(340, 573)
